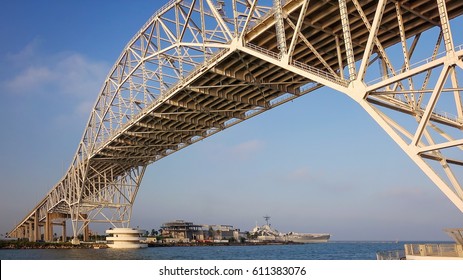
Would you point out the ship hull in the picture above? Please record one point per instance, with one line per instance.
(265, 234)
(308, 238)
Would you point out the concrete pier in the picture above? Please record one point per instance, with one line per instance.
(31, 229)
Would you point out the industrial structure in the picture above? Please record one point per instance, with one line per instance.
(183, 231)
(198, 67)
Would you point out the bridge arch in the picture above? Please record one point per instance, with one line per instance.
(198, 67)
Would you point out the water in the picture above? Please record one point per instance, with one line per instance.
(328, 251)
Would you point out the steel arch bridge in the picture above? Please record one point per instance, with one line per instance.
(198, 67)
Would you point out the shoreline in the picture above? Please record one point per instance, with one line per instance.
(206, 244)
(11, 245)
(42, 245)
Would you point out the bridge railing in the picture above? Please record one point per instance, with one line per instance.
(320, 73)
(200, 68)
(400, 97)
(414, 65)
(434, 250)
(162, 97)
(313, 70)
(391, 255)
(269, 53)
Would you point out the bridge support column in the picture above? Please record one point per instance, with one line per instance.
(77, 220)
(36, 227)
(24, 231)
(25, 235)
(31, 232)
(86, 233)
(64, 232)
(48, 228)
(41, 231)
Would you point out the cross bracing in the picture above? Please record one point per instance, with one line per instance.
(198, 67)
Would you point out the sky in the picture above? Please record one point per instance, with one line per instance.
(316, 164)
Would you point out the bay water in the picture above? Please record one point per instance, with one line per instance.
(333, 250)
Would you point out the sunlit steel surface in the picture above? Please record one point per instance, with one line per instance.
(198, 67)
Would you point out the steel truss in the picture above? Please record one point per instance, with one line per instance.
(198, 67)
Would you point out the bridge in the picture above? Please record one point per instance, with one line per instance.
(198, 67)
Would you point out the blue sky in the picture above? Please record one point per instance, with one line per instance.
(317, 164)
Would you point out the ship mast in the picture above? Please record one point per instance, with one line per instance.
(267, 218)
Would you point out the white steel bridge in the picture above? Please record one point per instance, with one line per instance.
(198, 67)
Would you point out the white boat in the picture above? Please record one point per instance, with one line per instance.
(267, 233)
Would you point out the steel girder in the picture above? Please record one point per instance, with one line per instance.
(198, 67)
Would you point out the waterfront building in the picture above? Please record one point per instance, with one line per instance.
(125, 238)
(222, 232)
(181, 231)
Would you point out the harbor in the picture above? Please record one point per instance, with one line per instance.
(176, 233)
(333, 250)
(181, 233)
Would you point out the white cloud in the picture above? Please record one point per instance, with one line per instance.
(403, 192)
(68, 73)
(29, 80)
(300, 174)
(247, 149)
(79, 76)
(24, 55)
(60, 75)
(309, 177)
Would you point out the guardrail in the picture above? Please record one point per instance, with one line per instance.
(313, 70)
(391, 255)
(269, 53)
(320, 73)
(434, 250)
(414, 65)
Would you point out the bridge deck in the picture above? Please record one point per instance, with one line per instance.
(241, 82)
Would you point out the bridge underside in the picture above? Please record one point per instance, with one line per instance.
(197, 68)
